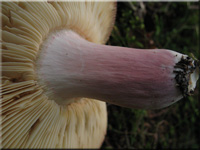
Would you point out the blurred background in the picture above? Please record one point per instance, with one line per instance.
(169, 25)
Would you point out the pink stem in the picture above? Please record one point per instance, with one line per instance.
(73, 67)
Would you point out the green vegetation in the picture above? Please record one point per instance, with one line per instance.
(172, 26)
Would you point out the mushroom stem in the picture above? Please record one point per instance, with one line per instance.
(70, 67)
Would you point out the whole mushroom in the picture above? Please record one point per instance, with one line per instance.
(57, 74)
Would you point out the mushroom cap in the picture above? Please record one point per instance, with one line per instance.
(30, 118)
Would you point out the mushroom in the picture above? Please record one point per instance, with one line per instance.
(57, 74)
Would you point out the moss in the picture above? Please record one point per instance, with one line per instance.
(172, 26)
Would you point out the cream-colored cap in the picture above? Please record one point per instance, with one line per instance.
(30, 119)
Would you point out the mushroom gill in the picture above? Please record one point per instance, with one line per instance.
(30, 118)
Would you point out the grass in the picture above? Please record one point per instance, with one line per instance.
(172, 26)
